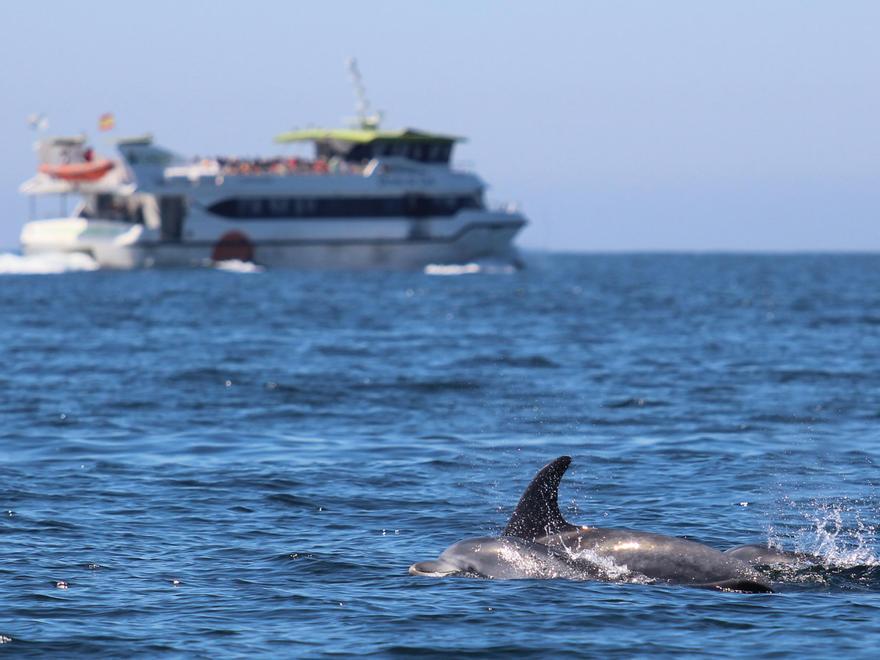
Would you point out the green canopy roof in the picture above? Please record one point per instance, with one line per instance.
(363, 135)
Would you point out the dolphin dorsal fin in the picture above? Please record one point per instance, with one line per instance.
(537, 513)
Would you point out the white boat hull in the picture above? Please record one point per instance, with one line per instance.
(120, 246)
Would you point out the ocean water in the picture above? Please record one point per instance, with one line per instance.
(222, 462)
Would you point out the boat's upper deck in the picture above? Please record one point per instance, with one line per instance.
(357, 145)
(355, 152)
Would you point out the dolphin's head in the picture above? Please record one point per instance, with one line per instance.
(433, 568)
(460, 557)
(504, 557)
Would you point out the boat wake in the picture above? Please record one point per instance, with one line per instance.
(237, 266)
(45, 264)
(486, 268)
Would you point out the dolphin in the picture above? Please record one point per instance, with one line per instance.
(593, 553)
(655, 556)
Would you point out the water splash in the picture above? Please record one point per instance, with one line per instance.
(529, 563)
(839, 535)
(605, 565)
(833, 532)
(604, 568)
(237, 266)
(45, 264)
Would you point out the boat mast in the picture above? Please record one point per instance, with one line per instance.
(364, 119)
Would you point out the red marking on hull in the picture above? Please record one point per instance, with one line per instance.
(233, 245)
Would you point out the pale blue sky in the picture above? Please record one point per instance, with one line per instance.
(618, 125)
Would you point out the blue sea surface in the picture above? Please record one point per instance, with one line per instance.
(208, 463)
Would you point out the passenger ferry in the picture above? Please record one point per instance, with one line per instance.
(367, 198)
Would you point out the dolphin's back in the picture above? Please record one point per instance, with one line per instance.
(757, 554)
(658, 557)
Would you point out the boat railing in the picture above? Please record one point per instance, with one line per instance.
(505, 206)
(234, 166)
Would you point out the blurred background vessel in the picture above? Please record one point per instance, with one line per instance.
(365, 198)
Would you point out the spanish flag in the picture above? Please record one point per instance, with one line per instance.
(106, 121)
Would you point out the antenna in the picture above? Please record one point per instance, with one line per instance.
(362, 106)
(38, 122)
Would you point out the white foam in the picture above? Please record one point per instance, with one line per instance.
(485, 266)
(452, 269)
(529, 563)
(608, 570)
(45, 264)
(238, 266)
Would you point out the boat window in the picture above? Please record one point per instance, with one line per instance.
(248, 206)
(121, 208)
(308, 206)
(172, 210)
(279, 206)
(413, 205)
(474, 201)
(392, 206)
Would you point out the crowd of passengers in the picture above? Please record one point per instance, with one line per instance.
(232, 166)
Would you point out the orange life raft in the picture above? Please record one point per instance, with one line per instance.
(88, 171)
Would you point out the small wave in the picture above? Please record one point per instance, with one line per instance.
(293, 501)
(206, 375)
(238, 266)
(633, 402)
(296, 556)
(528, 362)
(534, 361)
(432, 386)
(816, 375)
(45, 264)
(419, 386)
